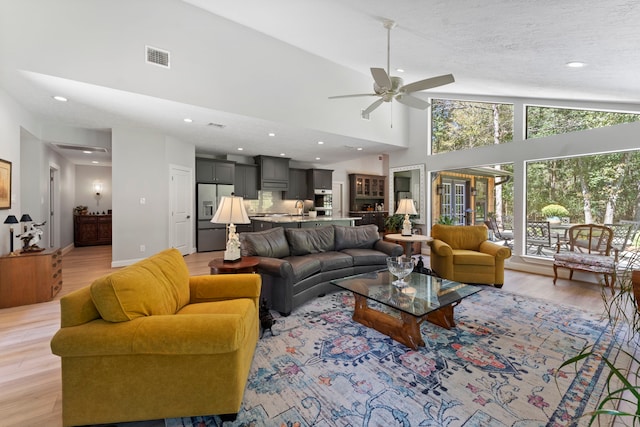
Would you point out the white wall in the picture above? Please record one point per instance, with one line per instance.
(85, 195)
(140, 176)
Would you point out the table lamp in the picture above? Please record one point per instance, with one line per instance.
(407, 208)
(11, 219)
(25, 218)
(231, 211)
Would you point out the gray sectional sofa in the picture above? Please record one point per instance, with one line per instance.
(296, 264)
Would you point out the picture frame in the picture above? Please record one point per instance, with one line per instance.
(5, 184)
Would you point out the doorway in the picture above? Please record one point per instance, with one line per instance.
(54, 206)
(337, 191)
(181, 204)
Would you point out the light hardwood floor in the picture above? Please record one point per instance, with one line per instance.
(30, 384)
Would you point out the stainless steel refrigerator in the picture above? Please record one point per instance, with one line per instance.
(210, 237)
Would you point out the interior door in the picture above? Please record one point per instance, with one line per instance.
(181, 221)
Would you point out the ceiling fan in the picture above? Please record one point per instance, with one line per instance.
(388, 87)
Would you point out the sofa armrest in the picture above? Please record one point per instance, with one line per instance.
(276, 267)
(389, 248)
(440, 248)
(495, 250)
(220, 287)
(173, 334)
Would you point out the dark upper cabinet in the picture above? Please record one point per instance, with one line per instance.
(273, 173)
(297, 185)
(214, 171)
(319, 179)
(246, 182)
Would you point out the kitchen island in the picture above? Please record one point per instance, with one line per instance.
(298, 221)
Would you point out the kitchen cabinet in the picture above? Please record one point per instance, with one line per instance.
(370, 217)
(319, 179)
(29, 278)
(298, 189)
(273, 173)
(246, 181)
(91, 230)
(213, 171)
(366, 190)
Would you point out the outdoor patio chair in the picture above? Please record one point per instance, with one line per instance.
(590, 250)
(498, 234)
(539, 235)
(621, 235)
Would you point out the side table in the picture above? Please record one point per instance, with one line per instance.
(407, 240)
(247, 264)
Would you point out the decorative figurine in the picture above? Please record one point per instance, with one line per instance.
(31, 237)
(266, 319)
(232, 254)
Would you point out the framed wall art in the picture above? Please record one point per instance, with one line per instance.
(5, 184)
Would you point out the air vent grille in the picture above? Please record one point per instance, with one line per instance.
(157, 56)
(81, 148)
(217, 125)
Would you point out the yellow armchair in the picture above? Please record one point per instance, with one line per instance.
(463, 254)
(149, 341)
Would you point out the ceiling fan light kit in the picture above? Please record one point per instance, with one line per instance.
(388, 87)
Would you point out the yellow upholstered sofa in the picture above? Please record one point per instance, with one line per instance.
(463, 254)
(149, 341)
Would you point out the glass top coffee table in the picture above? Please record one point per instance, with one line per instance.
(424, 298)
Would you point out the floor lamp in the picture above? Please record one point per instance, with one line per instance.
(231, 211)
(11, 219)
(407, 208)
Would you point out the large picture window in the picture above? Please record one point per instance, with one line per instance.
(459, 125)
(545, 121)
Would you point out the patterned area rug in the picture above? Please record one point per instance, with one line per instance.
(496, 368)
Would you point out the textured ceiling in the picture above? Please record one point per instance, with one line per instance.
(496, 48)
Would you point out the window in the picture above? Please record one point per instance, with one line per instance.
(545, 121)
(459, 125)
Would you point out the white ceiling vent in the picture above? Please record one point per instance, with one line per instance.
(81, 148)
(157, 56)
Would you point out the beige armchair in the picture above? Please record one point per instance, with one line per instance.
(463, 254)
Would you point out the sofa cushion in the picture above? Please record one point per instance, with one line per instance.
(270, 243)
(303, 241)
(363, 236)
(156, 285)
(333, 260)
(462, 256)
(303, 266)
(367, 256)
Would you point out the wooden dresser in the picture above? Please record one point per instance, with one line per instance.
(90, 230)
(30, 278)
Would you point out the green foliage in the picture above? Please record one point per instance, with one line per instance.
(393, 223)
(554, 211)
(446, 220)
(458, 125)
(545, 121)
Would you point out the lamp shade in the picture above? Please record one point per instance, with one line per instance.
(11, 219)
(25, 218)
(406, 207)
(231, 211)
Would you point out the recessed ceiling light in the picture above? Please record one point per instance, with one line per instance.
(272, 134)
(240, 148)
(400, 70)
(359, 148)
(87, 152)
(317, 158)
(320, 142)
(187, 120)
(95, 162)
(282, 154)
(60, 98)
(575, 64)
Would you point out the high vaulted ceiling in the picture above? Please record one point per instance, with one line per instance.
(510, 48)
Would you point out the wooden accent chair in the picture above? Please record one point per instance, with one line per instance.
(590, 250)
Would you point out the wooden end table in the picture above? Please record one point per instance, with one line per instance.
(247, 264)
(408, 240)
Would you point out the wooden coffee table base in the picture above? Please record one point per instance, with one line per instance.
(405, 330)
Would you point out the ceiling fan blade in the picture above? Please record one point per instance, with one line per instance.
(412, 101)
(352, 96)
(373, 106)
(428, 83)
(381, 78)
